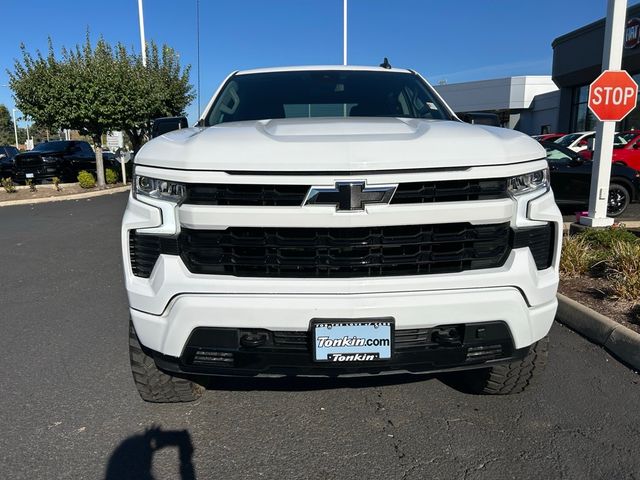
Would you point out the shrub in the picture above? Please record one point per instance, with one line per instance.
(606, 237)
(576, 257)
(56, 183)
(111, 176)
(623, 269)
(31, 185)
(86, 179)
(8, 185)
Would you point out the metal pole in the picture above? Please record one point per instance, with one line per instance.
(601, 169)
(344, 32)
(143, 44)
(198, 50)
(15, 127)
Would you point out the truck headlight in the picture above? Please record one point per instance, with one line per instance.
(528, 182)
(160, 189)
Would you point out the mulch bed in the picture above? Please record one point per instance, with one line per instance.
(590, 291)
(46, 191)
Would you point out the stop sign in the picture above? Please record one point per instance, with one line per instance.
(613, 95)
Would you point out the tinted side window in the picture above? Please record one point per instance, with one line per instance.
(85, 148)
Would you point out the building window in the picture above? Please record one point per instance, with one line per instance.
(581, 117)
(632, 121)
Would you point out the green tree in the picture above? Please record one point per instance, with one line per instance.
(7, 135)
(95, 89)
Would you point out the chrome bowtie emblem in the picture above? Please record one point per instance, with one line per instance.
(350, 196)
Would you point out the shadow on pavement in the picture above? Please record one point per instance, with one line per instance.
(311, 383)
(133, 458)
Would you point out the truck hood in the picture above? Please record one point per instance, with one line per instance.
(338, 145)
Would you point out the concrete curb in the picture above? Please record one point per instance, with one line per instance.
(621, 341)
(628, 224)
(76, 196)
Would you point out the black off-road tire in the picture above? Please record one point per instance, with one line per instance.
(152, 383)
(507, 378)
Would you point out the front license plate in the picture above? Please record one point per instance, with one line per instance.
(29, 175)
(346, 342)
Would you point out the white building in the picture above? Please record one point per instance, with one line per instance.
(528, 103)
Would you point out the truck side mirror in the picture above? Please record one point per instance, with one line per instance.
(167, 124)
(478, 118)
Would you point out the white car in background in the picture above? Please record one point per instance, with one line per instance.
(580, 141)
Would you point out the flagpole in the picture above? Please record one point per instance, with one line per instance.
(143, 46)
(344, 32)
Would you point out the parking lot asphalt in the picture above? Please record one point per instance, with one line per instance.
(69, 409)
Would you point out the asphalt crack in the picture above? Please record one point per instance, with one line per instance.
(407, 462)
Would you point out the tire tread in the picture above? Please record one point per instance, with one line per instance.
(152, 383)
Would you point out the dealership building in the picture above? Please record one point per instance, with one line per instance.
(538, 104)
(577, 58)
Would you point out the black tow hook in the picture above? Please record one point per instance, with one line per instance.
(446, 336)
(253, 340)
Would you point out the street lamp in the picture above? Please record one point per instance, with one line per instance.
(143, 45)
(15, 127)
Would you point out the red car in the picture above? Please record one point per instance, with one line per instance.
(629, 153)
(548, 137)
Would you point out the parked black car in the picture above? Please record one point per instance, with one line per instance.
(7, 154)
(571, 180)
(62, 158)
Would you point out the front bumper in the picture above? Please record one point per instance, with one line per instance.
(222, 351)
(38, 173)
(169, 305)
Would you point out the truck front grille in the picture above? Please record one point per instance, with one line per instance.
(31, 161)
(293, 195)
(345, 252)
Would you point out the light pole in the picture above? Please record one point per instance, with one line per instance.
(344, 32)
(143, 45)
(15, 127)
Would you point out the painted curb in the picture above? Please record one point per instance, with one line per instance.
(76, 196)
(621, 341)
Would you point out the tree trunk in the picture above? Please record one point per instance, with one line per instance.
(97, 144)
(136, 137)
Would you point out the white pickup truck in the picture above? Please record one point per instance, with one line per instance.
(338, 221)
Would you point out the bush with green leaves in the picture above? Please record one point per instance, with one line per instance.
(32, 186)
(111, 176)
(56, 183)
(606, 237)
(86, 179)
(8, 185)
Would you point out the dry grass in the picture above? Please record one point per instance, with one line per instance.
(576, 256)
(624, 270)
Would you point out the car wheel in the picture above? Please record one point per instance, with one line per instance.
(153, 384)
(504, 378)
(619, 199)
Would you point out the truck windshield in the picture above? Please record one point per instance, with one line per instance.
(55, 146)
(324, 93)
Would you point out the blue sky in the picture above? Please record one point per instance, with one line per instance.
(444, 40)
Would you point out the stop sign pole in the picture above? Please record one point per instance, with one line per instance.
(601, 173)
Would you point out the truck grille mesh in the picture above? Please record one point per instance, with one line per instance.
(293, 195)
(345, 252)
